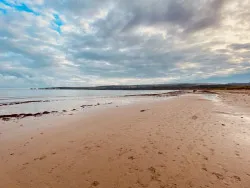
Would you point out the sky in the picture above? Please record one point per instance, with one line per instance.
(107, 42)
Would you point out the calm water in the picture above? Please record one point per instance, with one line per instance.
(62, 99)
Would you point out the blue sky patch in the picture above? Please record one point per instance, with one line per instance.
(25, 8)
(3, 11)
(19, 7)
(5, 2)
(57, 23)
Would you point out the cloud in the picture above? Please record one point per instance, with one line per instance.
(245, 46)
(99, 42)
(185, 16)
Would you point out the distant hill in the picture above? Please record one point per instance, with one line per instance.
(183, 86)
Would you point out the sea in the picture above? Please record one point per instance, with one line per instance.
(17, 101)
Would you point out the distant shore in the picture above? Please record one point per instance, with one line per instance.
(230, 86)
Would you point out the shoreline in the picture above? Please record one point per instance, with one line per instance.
(184, 141)
(17, 116)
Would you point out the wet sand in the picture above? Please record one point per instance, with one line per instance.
(239, 98)
(186, 141)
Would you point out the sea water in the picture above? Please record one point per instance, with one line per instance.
(58, 100)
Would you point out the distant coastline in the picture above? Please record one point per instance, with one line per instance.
(230, 86)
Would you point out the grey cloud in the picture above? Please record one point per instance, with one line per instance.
(245, 46)
(190, 16)
(208, 16)
(32, 58)
(161, 12)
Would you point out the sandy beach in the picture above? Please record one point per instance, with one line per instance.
(192, 140)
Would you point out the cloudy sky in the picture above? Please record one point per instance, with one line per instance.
(102, 42)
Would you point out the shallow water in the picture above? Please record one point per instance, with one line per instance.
(212, 97)
(63, 99)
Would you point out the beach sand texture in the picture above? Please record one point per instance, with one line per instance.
(186, 141)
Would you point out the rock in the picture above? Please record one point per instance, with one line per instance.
(83, 106)
(38, 114)
(5, 119)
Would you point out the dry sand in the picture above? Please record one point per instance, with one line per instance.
(184, 142)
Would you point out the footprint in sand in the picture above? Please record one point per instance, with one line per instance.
(204, 168)
(131, 157)
(154, 176)
(218, 175)
(40, 158)
(237, 144)
(95, 183)
(172, 185)
(236, 178)
(26, 144)
(152, 169)
(144, 179)
(205, 158)
(237, 153)
(194, 117)
(98, 146)
(212, 151)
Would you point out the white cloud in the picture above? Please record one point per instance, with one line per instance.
(188, 65)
